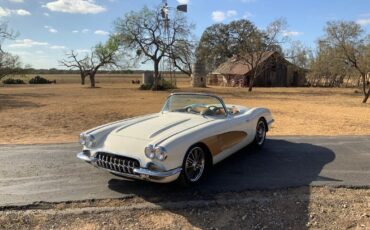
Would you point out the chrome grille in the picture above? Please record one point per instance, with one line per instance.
(117, 163)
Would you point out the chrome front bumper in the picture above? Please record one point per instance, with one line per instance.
(139, 173)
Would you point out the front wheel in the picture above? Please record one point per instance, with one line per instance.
(194, 167)
(260, 137)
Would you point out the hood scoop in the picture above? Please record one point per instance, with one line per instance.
(167, 127)
(134, 123)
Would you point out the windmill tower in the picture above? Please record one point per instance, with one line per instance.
(168, 67)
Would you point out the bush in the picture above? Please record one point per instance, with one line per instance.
(40, 80)
(145, 87)
(13, 81)
(163, 85)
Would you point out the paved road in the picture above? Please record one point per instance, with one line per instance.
(51, 173)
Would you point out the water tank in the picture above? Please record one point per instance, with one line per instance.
(198, 77)
(148, 78)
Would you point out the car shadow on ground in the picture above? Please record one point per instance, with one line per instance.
(279, 165)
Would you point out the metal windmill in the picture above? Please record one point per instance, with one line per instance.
(165, 13)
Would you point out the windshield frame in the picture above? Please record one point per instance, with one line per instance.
(197, 94)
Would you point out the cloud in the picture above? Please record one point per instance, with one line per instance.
(247, 15)
(27, 43)
(183, 1)
(4, 12)
(75, 31)
(219, 16)
(22, 12)
(7, 12)
(363, 21)
(46, 14)
(58, 47)
(101, 32)
(231, 13)
(287, 33)
(84, 31)
(16, 1)
(51, 29)
(75, 6)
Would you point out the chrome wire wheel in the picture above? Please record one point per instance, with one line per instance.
(195, 164)
(260, 133)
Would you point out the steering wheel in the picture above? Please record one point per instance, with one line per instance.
(190, 109)
(211, 110)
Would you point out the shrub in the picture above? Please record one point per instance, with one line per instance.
(145, 87)
(163, 85)
(13, 81)
(40, 80)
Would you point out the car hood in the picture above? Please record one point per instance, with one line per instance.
(160, 126)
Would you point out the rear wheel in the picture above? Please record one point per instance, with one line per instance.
(195, 166)
(260, 137)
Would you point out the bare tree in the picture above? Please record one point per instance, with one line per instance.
(327, 69)
(299, 54)
(150, 37)
(103, 55)
(73, 62)
(182, 56)
(259, 45)
(9, 64)
(350, 44)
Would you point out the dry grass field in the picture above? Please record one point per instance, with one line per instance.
(59, 112)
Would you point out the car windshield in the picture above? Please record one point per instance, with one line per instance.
(195, 104)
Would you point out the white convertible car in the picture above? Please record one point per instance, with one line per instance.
(192, 132)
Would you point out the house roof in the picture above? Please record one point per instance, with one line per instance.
(237, 66)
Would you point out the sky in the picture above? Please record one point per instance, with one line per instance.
(49, 28)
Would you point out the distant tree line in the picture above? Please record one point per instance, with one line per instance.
(72, 71)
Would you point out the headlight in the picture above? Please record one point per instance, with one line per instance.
(90, 141)
(159, 153)
(82, 139)
(87, 140)
(149, 152)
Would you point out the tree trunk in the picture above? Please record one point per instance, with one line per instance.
(366, 96)
(366, 84)
(83, 76)
(251, 81)
(156, 75)
(92, 80)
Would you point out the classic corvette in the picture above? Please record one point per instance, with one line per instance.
(192, 132)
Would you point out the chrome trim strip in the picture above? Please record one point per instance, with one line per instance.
(83, 157)
(143, 173)
(147, 172)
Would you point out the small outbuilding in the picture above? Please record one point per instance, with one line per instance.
(275, 71)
